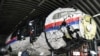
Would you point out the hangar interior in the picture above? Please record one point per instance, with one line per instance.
(15, 14)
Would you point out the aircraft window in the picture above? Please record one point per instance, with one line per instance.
(59, 15)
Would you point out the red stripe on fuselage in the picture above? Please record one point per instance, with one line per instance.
(72, 20)
(60, 22)
(53, 24)
(14, 38)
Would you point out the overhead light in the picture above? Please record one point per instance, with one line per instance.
(31, 22)
(93, 52)
(96, 15)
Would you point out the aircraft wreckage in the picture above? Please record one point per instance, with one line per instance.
(62, 26)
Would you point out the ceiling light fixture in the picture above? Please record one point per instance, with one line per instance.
(96, 15)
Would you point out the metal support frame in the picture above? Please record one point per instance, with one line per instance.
(71, 3)
(1, 4)
(95, 46)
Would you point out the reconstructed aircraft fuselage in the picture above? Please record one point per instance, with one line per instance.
(73, 19)
(68, 22)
